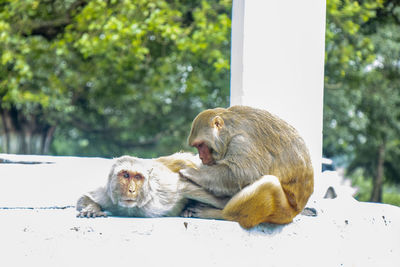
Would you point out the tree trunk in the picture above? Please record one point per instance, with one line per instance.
(376, 195)
(23, 134)
(47, 138)
(6, 144)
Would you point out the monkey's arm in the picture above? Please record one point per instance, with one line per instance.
(214, 178)
(193, 191)
(90, 205)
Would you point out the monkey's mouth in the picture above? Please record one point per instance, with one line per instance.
(209, 160)
(127, 202)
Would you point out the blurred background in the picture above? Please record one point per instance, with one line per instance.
(106, 78)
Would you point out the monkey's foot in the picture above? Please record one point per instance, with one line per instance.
(193, 210)
(187, 213)
(202, 211)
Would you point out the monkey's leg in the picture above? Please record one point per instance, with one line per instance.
(88, 208)
(195, 192)
(262, 201)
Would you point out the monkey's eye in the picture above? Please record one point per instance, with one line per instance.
(138, 176)
(200, 145)
(126, 175)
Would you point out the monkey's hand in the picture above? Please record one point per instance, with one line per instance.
(215, 179)
(190, 174)
(88, 208)
(91, 211)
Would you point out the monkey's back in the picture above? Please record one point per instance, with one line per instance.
(277, 149)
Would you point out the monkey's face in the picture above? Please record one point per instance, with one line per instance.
(130, 185)
(206, 136)
(129, 181)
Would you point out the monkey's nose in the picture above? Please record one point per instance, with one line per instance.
(131, 189)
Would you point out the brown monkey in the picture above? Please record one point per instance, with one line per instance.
(255, 157)
(146, 188)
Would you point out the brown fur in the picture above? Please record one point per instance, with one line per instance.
(250, 145)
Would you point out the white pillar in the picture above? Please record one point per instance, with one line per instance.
(278, 63)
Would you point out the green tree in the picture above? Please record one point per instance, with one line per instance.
(377, 151)
(361, 120)
(113, 77)
(347, 52)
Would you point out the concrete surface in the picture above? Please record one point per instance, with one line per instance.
(38, 227)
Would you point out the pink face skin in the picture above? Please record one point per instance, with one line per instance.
(204, 153)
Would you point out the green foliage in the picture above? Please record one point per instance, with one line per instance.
(362, 89)
(115, 76)
(345, 46)
(347, 52)
(364, 185)
(391, 192)
(392, 197)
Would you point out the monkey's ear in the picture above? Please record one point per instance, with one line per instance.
(217, 122)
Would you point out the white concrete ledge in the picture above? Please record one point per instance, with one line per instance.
(345, 232)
